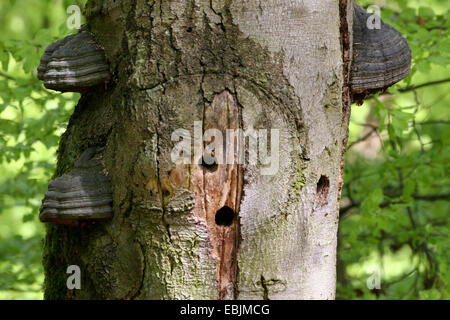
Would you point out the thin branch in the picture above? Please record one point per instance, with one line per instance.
(431, 122)
(385, 204)
(435, 197)
(365, 125)
(411, 88)
(403, 277)
(431, 83)
(363, 138)
(4, 75)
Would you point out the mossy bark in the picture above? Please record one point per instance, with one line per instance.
(274, 64)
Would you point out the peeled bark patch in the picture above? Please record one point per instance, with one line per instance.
(218, 192)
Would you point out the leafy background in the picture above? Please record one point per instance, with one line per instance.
(395, 205)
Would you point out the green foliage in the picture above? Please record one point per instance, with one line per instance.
(32, 120)
(20, 268)
(394, 213)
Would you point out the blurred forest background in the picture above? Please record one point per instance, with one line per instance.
(396, 199)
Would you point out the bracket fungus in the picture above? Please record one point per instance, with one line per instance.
(74, 64)
(381, 57)
(84, 194)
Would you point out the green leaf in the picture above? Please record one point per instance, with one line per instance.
(426, 12)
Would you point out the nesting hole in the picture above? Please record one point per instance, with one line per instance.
(212, 166)
(224, 216)
(323, 186)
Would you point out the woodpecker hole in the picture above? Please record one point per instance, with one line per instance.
(323, 187)
(224, 216)
(209, 166)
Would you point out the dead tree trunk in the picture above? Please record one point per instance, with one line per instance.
(261, 228)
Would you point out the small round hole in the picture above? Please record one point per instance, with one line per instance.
(212, 166)
(323, 186)
(225, 216)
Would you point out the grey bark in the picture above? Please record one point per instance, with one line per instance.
(274, 64)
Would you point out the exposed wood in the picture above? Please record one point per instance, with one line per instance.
(221, 187)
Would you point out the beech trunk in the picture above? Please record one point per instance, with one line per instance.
(211, 64)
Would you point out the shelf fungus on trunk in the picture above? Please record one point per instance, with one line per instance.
(74, 64)
(82, 195)
(381, 56)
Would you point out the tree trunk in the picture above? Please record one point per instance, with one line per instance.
(258, 229)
